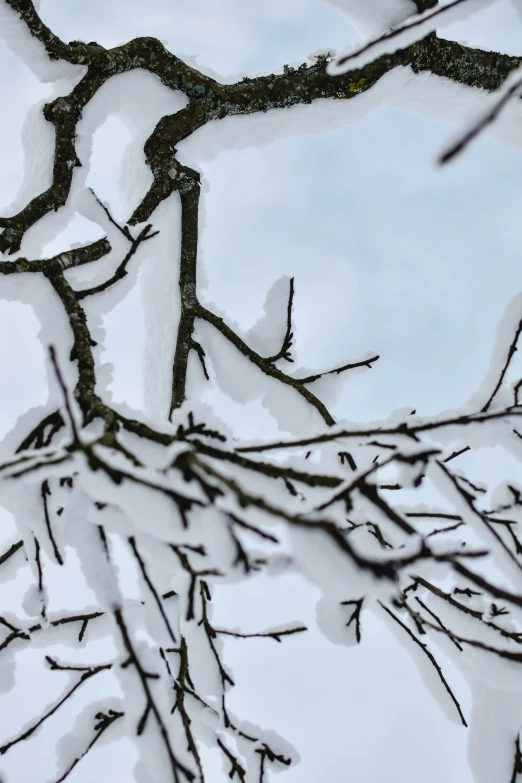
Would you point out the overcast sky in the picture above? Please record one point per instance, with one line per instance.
(389, 253)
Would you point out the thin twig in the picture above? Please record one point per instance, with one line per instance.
(431, 658)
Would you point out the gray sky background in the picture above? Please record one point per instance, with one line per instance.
(389, 254)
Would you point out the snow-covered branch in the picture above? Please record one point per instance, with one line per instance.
(190, 508)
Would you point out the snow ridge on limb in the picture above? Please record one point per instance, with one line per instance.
(210, 100)
(512, 88)
(373, 17)
(76, 52)
(399, 37)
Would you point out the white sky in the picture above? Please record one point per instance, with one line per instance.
(389, 254)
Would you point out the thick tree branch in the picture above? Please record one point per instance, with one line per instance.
(187, 182)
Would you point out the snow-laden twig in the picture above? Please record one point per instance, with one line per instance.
(415, 28)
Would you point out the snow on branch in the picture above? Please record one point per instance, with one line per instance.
(185, 509)
(512, 88)
(406, 34)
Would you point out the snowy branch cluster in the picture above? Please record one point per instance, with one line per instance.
(184, 507)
